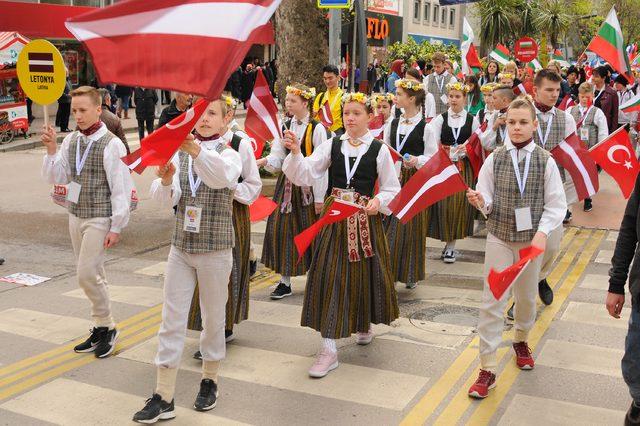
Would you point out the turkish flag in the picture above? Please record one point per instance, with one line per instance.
(337, 211)
(436, 180)
(574, 157)
(261, 208)
(622, 166)
(262, 122)
(324, 115)
(499, 282)
(475, 152)
(376, 126)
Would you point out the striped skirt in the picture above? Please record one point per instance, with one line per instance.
(452, 218)
(407, 243)
(238, 299)
(278, 251)
(342, 297)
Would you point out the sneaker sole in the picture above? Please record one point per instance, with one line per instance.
(449, 260)
(280, 297)
(476, 395)
(411, 287)
(230, 339)
(588, 210)
(86, 351)
(525, 367)
(162, 416)
(113, 347)
(199, 358)
(321, 375)
(364, 342)
(208, 407)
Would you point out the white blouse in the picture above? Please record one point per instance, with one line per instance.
(455, 120)
(247, 191)
(406, 126)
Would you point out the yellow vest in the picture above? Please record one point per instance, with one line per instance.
(335, 101)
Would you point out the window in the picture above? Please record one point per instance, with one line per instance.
(427, 12)
(443, 18)
(416, 10)
(452, 17)
(436, 12)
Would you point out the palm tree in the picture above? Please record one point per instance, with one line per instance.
(525, 25)
(552, 19)
(497, 21)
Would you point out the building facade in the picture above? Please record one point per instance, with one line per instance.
(430, 21)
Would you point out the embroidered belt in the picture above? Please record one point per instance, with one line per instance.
(357, 225)
(307, 196)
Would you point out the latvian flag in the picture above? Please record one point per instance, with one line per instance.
(325, 116)
(40, 62)
(475, 152)
(501, 54)
(573, 157)
(523, 88)
(631, 105)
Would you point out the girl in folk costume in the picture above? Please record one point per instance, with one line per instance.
(436, 82)
(385, 103)
(506, 79)
(487, 95)
(350, 283)
(520, 190)
(452, 218)
(475, 101)
(298, 206)
(428, 103)
(409, 137)
(491, 72)
(200, 181)
(245, 193)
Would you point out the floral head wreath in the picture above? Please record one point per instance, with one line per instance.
(488, 88)
(231, 102)
(356, 97)
(412, 85)
(306, 94)
(505, 75)
(383, 97)
(461, 87)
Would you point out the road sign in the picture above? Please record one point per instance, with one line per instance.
(41, 72)
(334, 4)
(526, 49)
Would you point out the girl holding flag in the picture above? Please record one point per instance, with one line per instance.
(298, 206)
(520, 190)
(384, 105)
(350, 282)
(409, 137)
(452, 218)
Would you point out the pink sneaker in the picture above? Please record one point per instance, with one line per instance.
(364, 338)
(326, 361)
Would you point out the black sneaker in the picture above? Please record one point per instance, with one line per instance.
(206, 399)
(155, 409)
(545, 292)
(510, 312)
(449, 256)
(567, 217)
(197, 355)
(253, 268)
(90, 344)
(588, 205)
(228, 336)
(107, 343)
(633, 415)
(281, 291)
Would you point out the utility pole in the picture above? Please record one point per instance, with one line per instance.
(362, 27)
(335, 30)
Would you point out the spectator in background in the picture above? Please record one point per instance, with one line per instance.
(620, 84)
(177, 106)
(248, 80)
(145, 100)
(605, 97)
(573, 80)
(475, 102)
(490, 74)
(372, 76)
(396, 74)
(64, 107)
(112, 121)
(123, 94)
(565, 89)
(234, 84)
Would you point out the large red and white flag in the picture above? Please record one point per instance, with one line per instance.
(574, 158)
(262, 123)
(623, 165)
(499, 282)
(475, 152)
(436, 180)
(191, 46)
(324, 115)
(337, 211)
(376, 126)
(158, 148)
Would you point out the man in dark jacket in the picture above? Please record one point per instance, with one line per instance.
(112, 121)
(627, 251)
(145, 100)
(605, 97)
(177, 106)
(64, 107)
(124, 97)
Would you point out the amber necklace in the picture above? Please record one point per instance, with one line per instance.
(355, 143)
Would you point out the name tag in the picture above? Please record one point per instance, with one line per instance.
(192, 216)
(73, 192)
(444, 99)
(584, 133)
(523, 219)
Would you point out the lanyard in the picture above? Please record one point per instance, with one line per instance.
(400, 145)
(456, 134)
(80, 162)
(599, 94)
(583, 116)
(194, 184)
(349, 171)
(548, 131)
(522, 182)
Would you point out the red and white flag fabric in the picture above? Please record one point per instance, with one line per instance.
(499, 282)
(190, 46)
(324, 115)
(436, 180)
(523, 88)
(160, 146)
(566, 103)
(631, 105)
(337, 211)
(261, 208)
(572, 155)
(376, 126)
(395, 155)
(475, 152)
(262, 123)
(616, 157)
(608, 43)
(501, 54)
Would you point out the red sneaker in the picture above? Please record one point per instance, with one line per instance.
(523, 356)
(480, 389)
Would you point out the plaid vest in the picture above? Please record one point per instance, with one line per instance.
(216, 226)
(501, 221)
(588, 123)
(95, 193)
(556, 134)
(434, 89)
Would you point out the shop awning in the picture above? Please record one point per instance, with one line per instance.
(11, 44)
(38, 20)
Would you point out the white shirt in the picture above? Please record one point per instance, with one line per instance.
(429, 106)
(217, 171)
(247, 191)
(599, 120)
(305, 170)
(555, 203)
(626, 117)
(435, 127)
(405, 128)
(570, 123)
(444, 78)
(489, 136)
(279, 152)
(56, 169)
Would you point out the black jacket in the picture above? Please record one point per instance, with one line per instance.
(145, 100)
(168, 114)
(627, 250)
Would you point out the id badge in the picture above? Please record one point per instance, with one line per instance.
(192, 216)
(348, 195)
(584, 133)
(73, 192)
(523, 219)
(453, 153)
(444, 99)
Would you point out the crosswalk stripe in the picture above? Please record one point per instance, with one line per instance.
(69, 402)
(604, 256)
(447, 295)
(595, 282)
(525, 410)
(459, 269)
(43, 326)
(155, 270)
(132, 295)
(363, 385)
(595, 314)
(613, 236)
(579, 357)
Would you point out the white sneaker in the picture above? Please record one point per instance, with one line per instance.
(364, 338)
(449, 256)
(326, 361)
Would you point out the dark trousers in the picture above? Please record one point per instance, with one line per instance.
(141, 124)
(62, 116)
(631, 359)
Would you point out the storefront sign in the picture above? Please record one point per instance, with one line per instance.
(383, 27)
(41, 72)
(389, 7)
(377, 28)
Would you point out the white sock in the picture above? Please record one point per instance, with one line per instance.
(451, 245)
(329, 344)
(286, 281)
